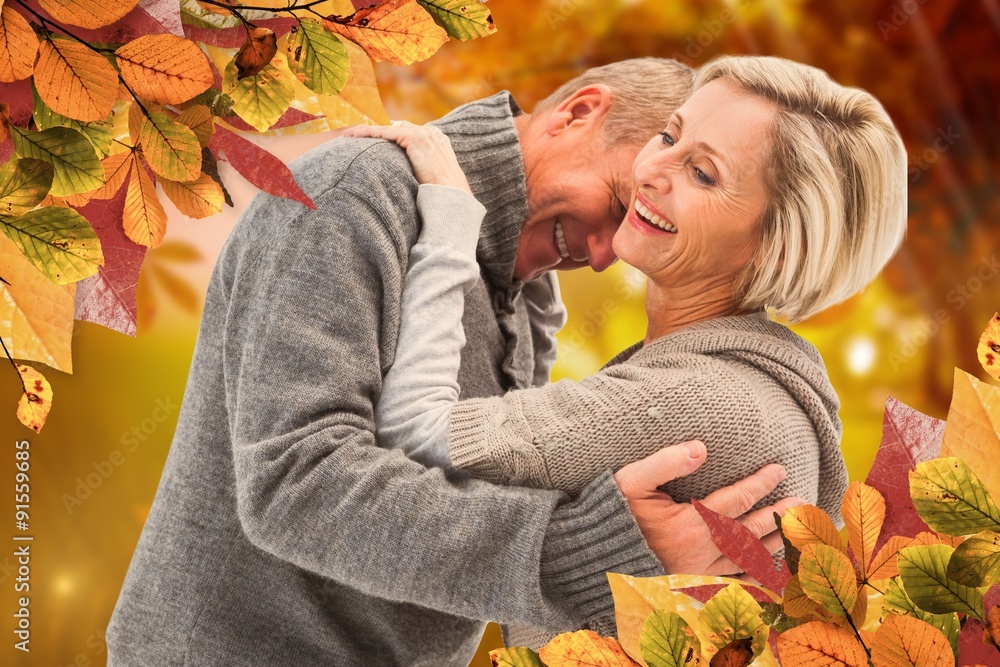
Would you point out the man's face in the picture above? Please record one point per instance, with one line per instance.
(578, 194)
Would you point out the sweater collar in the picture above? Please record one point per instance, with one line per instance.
(485, 139)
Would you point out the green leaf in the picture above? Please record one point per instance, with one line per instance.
(828, 578)
(924, 571)
(318, 58)
(897, 602)
(668, 641)
(259, 99)
(73, 158)
(24, 182)
(100, 133)
(773, 615)
(461, 19)
(515, 657)
(976, 561)
(731, 614)
(172, 149)
(58, 241)
(950, 498)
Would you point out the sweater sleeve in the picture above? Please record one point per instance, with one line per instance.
(421, 387)
(303, 344)
(547, 315)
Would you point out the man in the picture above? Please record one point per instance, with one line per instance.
(282, 534)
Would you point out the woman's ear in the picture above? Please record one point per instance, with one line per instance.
(585, 106)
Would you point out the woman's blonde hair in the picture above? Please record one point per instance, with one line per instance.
(836, 183)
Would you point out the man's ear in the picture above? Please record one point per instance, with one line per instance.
(586, 105)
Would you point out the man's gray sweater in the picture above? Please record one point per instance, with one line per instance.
(281, 533)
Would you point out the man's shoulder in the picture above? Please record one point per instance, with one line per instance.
(356, 165)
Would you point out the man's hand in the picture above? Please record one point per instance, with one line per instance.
(675, 531)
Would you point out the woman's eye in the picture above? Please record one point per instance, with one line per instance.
(666, 139)
(703, 177)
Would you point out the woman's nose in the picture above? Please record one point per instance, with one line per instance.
(655, 172)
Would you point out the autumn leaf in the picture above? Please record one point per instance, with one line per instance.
(904, 641)
(318, 58)
(165, 69)
(808, 524)
(736, 653)
(950, 498)
(742, 547)
(116, 168)
(76, 167)
(199, 119)
(58, 241)
(24, 182)
(883, 566)
(256, 52)
(819, 643)
(260, 99)
(40, 312)
(399, 31)
(796, 603)
(36, 398)
(896, 601)
(973, 430)
(259, 167)
(972, 650)
(668, 641)
(924, 571)
(171, 149)
(909, 437)
(144, 220)
(88, 13)
(462, 19)
(515, 657)
(828, 578)
(993, 624)
(75, 81)
(582, 649)
(100, 133)
(731, 614)
(863, 509)
(196, 199)
(989, 346)
(976, 562)
(18, 46)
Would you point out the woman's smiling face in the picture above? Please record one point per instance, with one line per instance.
(699, 195)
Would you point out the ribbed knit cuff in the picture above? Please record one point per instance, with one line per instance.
(589, 537)
(471, 445)
(451, 217)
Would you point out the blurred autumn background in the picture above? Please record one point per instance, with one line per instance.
(935, 64)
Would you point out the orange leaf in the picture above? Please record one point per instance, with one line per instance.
(166, 69)
(199, 118)
(144, 219)
(737, 653)
(115, 172)
(400, 31)
(171, 149)
(18, 46)
(75, 81)
(4, 121)
(993, 625)
(863, 509)
(196, 199)
(256, 52)
(584, 648)
(972, 432)
(989, 347)
(36, 399)
(797, 603)
(88, 13)
(808, 524)
(905, 641)
(884, 566)
(819, 643)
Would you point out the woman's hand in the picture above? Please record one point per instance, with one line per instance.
(428, 148)
(675, 531)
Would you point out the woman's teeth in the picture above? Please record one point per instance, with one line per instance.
(652, 218)
(561, 240)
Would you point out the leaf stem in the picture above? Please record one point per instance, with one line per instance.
(24, 389)
(48, 22)
(290, 8)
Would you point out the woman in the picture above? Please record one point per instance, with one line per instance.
(772, 186)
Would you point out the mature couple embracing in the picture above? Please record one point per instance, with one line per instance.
(370, 461)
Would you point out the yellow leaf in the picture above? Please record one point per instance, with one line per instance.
(76, 167)
(171, 149)
(144, 219)
(989, 347)
(820, 644)
(462, 19)
(256, 52)
(262, 98)
(116, 168)
(75, 81)
(972, 432)
(515, 657)
(584, 648)
(400, 31)
(797, 604)
(165, 69)
(58, 241)
(808, 524)
(39, 312)
(88, 13)
(318, 58)
(827, 577)
(884, 565)
(199, 118)
(196, 199)
(863, 509)
(36, 399)
(731, 614)
(18, 46)
(904, 641)
(24, 182)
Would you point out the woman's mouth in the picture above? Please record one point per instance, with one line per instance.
(653, 219)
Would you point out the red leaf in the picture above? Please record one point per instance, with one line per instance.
(6, 149)
(742, 547)
(909, 437)
(971, 648)
(291, 117)
(258, 166)
(992, 597)
(108, 297)
(233, 38)
(704, 593)
(166, 13)
(150, 17)
(18, 97)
